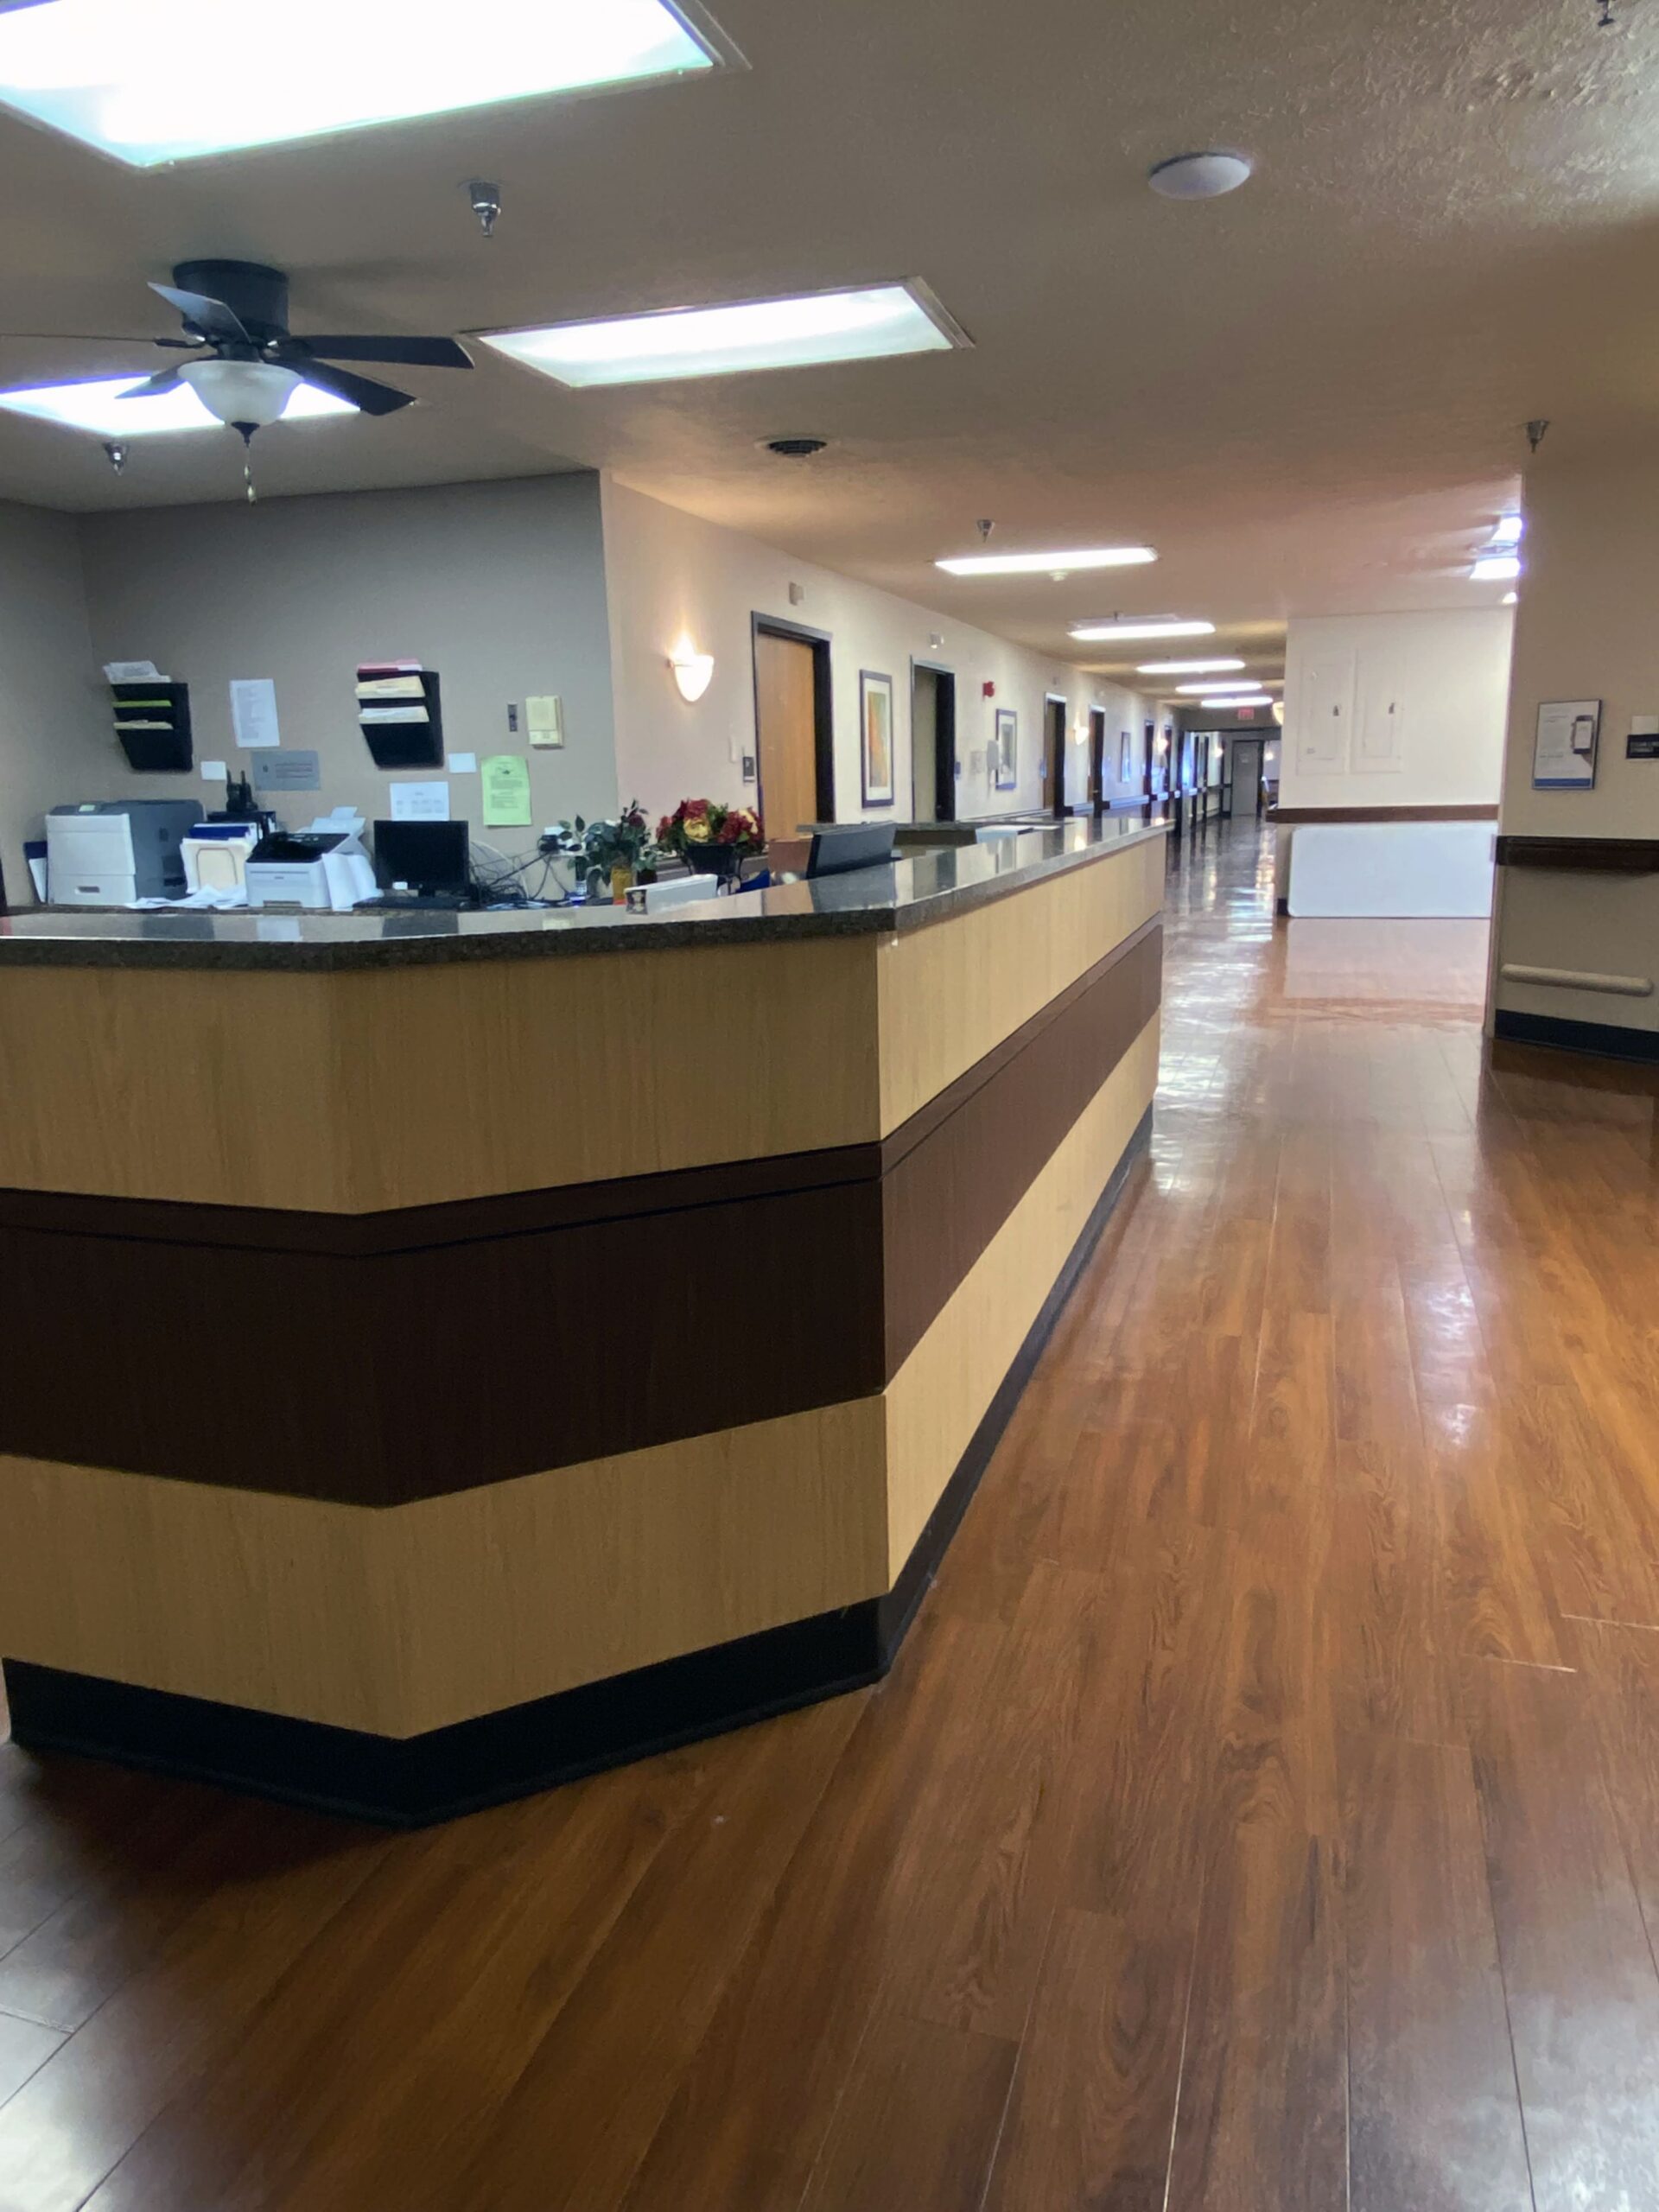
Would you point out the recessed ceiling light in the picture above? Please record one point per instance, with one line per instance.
(1495, 568)
(1199, 176)
(744, 335)
(99, 407)
(1234, 699)
(1185, 667)
(167, 80)
(1511, 598)
(1050, 564)
(1153, 626)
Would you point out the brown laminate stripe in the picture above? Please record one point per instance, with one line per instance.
(1290, 817)
(1596, 855)
(376, 1360)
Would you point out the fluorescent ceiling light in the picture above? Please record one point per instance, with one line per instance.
(1089, 633)
(748, 335)
(1222, 683)
(1495, 569)
(167, 80)
(1235, 699)
(1050, 564)
(1507, 530)
(1185, 667)
(99, 407)
(1511, 598)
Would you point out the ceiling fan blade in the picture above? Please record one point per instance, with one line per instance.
(164, 380)
(409, 352)
(362, 391)
(212, 317)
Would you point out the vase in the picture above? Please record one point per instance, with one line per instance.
(621, 877)
(712, 860)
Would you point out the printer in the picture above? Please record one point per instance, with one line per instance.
(109, 852)
(324, 867)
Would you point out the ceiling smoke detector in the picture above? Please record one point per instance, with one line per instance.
(798, 449)
(1199, 176)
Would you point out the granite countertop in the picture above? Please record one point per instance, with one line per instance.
(909, 894)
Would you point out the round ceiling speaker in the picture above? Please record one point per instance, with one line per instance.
(1199, 176)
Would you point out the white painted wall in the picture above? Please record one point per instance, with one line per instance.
(670, 576)
(56, 731)
(1451, 674)
(1586, 629)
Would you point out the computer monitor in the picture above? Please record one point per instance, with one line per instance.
(859, 844)
(430, 857)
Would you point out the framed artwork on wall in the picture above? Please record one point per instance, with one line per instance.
(875, 726)
(1005, 760)
(1125, 762)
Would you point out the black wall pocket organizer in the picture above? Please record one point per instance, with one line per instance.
(403, 728)
(152, 721)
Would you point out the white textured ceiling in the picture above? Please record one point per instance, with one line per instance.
(1308, 396)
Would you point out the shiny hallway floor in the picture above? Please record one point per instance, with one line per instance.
(1263, 1815)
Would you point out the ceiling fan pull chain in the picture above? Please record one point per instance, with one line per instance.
(247, 476)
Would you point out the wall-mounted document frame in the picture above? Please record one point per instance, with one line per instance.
(417, 743)
(1564, 747)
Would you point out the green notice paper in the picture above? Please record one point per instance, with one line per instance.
(506, 778)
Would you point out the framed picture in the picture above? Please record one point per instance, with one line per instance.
(875, 723)
(1005, 763)
(1564, 749)
(1125, 758)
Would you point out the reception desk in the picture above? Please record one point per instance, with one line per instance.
(445, 1354)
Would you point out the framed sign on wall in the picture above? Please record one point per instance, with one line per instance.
(1564, 749)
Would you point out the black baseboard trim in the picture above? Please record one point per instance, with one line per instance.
(451, 1772)
(1603, 1038)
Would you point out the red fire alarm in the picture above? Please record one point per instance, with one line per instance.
(989, 691)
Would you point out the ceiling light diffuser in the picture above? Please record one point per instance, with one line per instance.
(1048, 564)
(1237, 699)
(99, 407)
(1495, 568)
(1090, 633)
(1506, 530)
(150, 81)
(1221, 683)
(1511, 598)
(1185, 667)
(1199, 176)
(743, 336)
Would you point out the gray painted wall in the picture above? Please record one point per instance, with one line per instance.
(500, 587)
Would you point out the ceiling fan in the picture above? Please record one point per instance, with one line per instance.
(245, 364)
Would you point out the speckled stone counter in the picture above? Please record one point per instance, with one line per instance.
(433, 1369)
(914, 892)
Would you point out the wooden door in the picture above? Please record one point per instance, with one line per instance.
(786, 733)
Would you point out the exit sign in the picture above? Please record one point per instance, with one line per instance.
(1245, 714)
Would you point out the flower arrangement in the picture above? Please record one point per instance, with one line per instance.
(703, 831)
(609, 846)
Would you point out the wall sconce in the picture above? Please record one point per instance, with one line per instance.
(1279, 712)
(693, 672)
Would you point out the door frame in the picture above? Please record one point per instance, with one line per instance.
(1097, 761)
(1056, 766)
(945, 738)
(824, 711)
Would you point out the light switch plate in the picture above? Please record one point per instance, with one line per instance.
(545, 716)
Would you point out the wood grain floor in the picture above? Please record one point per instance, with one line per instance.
(1264, 1814)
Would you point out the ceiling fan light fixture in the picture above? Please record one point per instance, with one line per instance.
(255, 392)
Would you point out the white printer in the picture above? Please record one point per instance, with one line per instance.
(323, 867)
(109, 852)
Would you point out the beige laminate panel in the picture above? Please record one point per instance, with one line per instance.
(355, 1092)
(938, 1397)
(952, 993)
(402, 1620)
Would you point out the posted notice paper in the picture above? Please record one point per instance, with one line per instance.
(253, 712)
(506, 790)
(421, 802)
(1564, 751)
